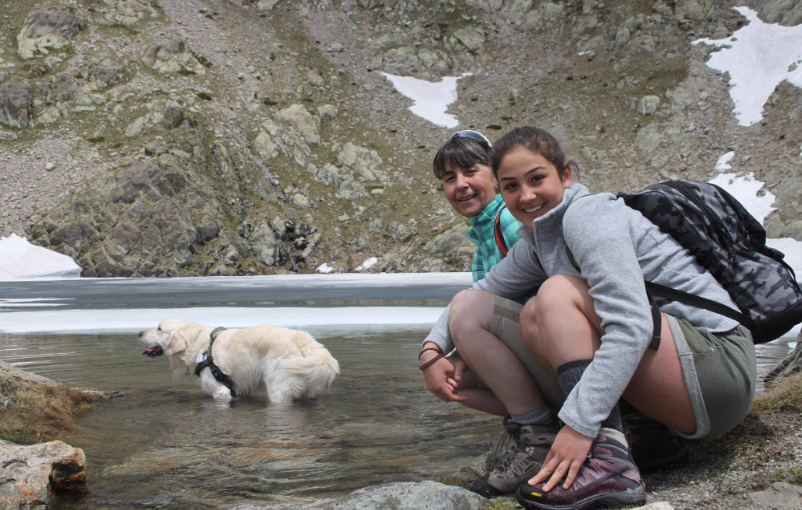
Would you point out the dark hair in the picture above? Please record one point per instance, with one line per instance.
(533, 139)
(460, 152)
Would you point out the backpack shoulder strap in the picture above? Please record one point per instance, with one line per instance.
(499, 233)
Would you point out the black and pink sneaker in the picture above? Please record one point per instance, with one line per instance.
(609, 478)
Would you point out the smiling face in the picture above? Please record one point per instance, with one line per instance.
(530, 185)
(469, 190)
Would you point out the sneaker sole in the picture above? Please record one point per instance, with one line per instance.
(618, 500)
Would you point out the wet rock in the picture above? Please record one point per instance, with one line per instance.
(14, 104)
(45, 31)
(398, 496)
(171, 57)
(30, 475)
(780, 496)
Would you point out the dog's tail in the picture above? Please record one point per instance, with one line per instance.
(318, 369)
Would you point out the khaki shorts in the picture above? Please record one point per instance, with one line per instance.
(504, 325)
(720, 372)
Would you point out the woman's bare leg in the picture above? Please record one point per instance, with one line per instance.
(484, 400)
(488, 357)
(562, 326)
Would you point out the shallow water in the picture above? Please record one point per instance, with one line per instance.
(168, 444)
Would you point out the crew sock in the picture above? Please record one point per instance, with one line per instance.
(569, 374)
(540, 417)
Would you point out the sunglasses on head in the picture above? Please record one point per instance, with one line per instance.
(475, 135)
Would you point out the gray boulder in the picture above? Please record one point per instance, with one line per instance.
(452, 241)
(45, 31)
(128, 12)
(144, 220)
(32, 474)
(171, 57)
(14, 104)
(792, 364)
(648, 105)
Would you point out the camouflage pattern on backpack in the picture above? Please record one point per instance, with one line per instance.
(731, 244)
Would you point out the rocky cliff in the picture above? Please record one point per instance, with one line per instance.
(222, 137)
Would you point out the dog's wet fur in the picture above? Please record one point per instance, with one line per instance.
(288, 364)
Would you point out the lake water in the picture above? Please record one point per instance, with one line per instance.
(166, 444)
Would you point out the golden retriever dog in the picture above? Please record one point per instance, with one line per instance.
(290, 364)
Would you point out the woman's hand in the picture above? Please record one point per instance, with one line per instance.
(569, 451)
(459, 368)
(442, 377)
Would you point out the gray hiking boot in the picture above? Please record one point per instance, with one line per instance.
(528, 447)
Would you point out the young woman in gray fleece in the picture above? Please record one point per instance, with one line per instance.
(591, 324)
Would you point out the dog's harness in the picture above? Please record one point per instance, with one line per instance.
(207, 361)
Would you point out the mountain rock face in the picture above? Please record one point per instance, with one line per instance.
(233, 137)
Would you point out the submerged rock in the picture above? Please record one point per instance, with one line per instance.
(398, 496)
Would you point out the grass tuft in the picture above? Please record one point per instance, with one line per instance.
(41, 414)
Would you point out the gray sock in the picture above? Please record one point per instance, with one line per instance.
(540, 417)
(568, 374)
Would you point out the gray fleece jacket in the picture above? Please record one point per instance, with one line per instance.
(615, 248)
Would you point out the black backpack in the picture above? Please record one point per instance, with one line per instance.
(731, 244)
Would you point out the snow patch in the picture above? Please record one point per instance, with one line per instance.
(20, 259)
(745, 189)
(430, 99)
(367, 264)
(723, 162)
(758, 57)
(324, 268)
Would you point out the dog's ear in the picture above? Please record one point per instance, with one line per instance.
(175, 343)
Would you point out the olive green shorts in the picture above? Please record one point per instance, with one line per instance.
(720, 373)
(504, 325)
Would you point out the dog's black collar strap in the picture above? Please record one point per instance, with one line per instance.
(209, 362)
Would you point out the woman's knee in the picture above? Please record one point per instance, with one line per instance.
(528, 321)
(469, 310)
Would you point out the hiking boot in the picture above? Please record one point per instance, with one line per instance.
(529, 445)
(609, 478)
(652, 445)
